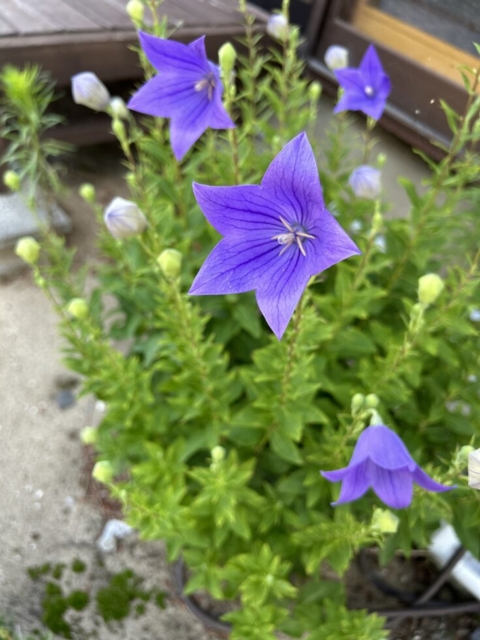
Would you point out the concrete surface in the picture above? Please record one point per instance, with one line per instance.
(44, 515)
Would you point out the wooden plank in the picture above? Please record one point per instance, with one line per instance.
(25, 18)
(209, 12)
(67, 17)
(103, 13)
(6, 28)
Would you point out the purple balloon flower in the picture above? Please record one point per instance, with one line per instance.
(277, 235)
(382, 462)
(366, 88)
(188, 90)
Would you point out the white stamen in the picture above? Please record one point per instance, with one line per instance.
(287, 239)
(369, 90)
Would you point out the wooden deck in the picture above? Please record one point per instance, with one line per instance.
(69, 36)
(66, 37)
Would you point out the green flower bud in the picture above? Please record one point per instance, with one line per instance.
(103, 471)
(135, 10)
(372, 401)
(314, 91)
(118, 108)
(87, 192)
(11, 179)
(462, 455)
(226, 57)
(170, 262)
(381, 160)
(89, 435)
(357, 402)
(78, 308)
(118, 128)
(218, 454)
(430, 286)
(28, 249)
(384, 521)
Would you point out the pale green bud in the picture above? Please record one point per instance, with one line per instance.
(430, 286)
(372, 401)
(135, 10)
(218, 454)
(226, 57)
(78, 308)
(89, 435)
(314, 91)
(87, 192)
(11, 179)
(462, 455)
(118, 108)
(357, 402)
(384, 521)
(28, 249)
(170, 262)
(131, 179)
(381, 160)
(375, 418)
(103, 471)
(118, 128)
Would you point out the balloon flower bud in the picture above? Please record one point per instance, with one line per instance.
(372, 401)
(277, 26)
(11, 179)
(430, 286)
(135, 10)
(336, 57)
(88, 90)
(89, 435)
(28, 249)
(118, 108)
(103, 471)
(314, 91)
(357, 402)
(218, 454)
(124, 219)
(87, 192)
(226, 57)
(170, 263)
(118, 129)
(78, 308)
(384, 521)
(365, 182)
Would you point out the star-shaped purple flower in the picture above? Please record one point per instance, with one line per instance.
(276, 235)
(366, 88)
(187, 90)
(382, 462)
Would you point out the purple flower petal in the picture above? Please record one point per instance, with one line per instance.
(188, 90)
(394, 488)
(426, 482)
(355, 484)
(384, 448)
(292, 179)
(277, 235)
(168, 55)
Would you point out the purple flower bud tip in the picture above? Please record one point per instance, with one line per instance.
(366, 88)
(187, 90)
(365, 182)
(277, 235)
(124, 219)
(89, 91)
(381, 461)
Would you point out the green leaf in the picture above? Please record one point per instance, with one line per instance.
(285, 448)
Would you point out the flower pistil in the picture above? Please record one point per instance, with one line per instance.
(296, 233)
(208, 83)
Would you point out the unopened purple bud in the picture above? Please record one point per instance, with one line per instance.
(277, 26)
(124, 219)
(336, 57)
(366, 182)
(88, 90)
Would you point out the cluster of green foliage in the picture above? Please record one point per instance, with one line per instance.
(222, 428)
